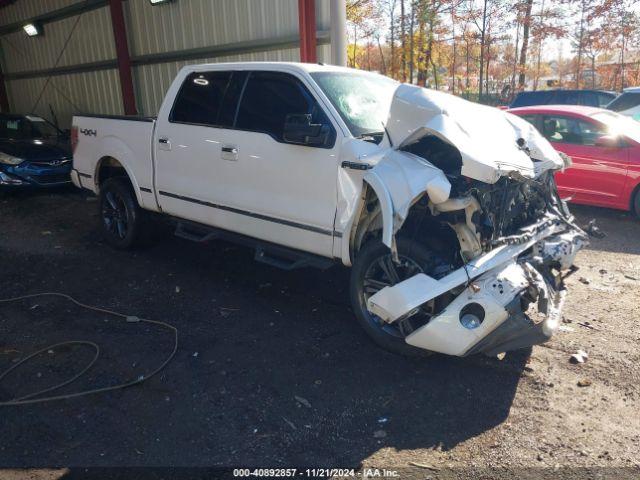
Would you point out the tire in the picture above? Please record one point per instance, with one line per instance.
(415, 258)
(124, 224)
(635, 204)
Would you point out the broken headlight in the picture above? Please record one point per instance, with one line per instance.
(9, 159)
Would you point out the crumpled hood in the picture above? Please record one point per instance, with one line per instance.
(486, 137)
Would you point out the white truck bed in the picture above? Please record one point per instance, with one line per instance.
(122, 137)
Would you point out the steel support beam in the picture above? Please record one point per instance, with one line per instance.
(307, 29)
(123, 58)
(4, 99)
(339, 32)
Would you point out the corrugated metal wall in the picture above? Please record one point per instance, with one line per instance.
(177, 26)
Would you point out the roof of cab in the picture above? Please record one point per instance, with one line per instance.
(306, 67)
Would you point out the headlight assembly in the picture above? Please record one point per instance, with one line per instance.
(10, 160)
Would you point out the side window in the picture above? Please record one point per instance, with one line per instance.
(550, 97)
(532, 119)
(566, 98)
(625, 101)
(229, 106)
(604, 99)
(571, 130)
(590, 132)
(525, 99)
(589, 99)
(267, 100)
(200, 98)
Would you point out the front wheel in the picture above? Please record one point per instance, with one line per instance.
(375, 269)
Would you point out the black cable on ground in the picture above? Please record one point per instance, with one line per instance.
(29, 399)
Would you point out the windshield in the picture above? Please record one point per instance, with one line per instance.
(625, 101)
(362, 100)
(26, 128)
(619, 124)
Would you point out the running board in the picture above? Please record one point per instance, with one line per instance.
(268, 253)
(195, 232)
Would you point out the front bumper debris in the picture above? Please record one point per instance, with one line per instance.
(497, 288)
(10, 181)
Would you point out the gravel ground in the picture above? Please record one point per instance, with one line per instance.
(272, 370)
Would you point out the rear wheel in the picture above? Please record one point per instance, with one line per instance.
(375, 269)
(124, 223)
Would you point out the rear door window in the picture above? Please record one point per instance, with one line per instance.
(565, 97)
(525, 99)
(589, 99)
(200, 99)
(604, 99)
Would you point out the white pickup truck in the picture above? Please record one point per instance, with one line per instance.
(446, 210)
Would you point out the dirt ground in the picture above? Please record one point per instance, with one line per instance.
(272, 370)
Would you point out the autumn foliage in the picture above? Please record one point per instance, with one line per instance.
(490, 49)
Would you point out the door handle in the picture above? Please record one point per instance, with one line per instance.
(165, 143)
(229, 152)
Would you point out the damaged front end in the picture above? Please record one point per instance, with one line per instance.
(512, 258)
(504, 285)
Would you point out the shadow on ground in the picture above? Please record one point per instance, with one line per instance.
(252, 339)
(622, 229)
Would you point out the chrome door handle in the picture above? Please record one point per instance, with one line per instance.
(229, 152)
(165, 143)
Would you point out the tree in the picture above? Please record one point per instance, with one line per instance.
(361, 19)
(526, 25)
(403, 38)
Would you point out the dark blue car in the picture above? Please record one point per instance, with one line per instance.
(589, 98)
(33, 152)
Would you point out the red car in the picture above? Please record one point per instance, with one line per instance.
(604, 147)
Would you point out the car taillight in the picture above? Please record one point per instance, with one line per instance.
(74, 138)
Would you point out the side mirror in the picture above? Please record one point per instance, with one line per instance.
(298, 129)
(607, 141)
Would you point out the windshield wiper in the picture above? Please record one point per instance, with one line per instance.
(375, 137)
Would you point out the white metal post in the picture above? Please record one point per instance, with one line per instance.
(339, 32)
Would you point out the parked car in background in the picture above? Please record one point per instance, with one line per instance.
(628, 103)
(590, 98)
(604, 147)
(33, 152)
(420, 192)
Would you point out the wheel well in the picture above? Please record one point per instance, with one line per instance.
(420, 225)
(369, 221)
(109, 167)
(632, 200)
